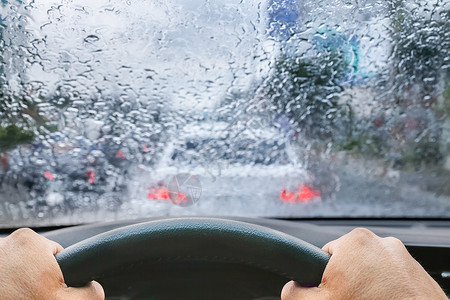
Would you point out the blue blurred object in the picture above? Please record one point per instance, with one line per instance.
(284, 20)
(347, 46)
(329, 39)
(283, 15)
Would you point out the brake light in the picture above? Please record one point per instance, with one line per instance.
(91, 176)
(180, 198)
(48, 175)
(158, 194)
(303, 194)
(120, 154)
(163, 193)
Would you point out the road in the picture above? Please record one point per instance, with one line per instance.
(363, 190)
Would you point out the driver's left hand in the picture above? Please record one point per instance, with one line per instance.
(29, 270)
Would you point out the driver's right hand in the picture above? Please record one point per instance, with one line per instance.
(364, 266)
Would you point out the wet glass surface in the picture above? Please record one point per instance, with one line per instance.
(118, 110)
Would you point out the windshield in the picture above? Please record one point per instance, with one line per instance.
(282, 108)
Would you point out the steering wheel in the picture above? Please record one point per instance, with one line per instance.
(187, 242)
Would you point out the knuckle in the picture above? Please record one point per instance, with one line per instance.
(286, 292)
(98, 290)
(361, 236)
(393, 241)
(23, 234)
(362, 233)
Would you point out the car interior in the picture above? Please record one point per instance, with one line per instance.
(223, 257)
(196, 149)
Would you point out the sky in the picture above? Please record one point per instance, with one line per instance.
(188, 53)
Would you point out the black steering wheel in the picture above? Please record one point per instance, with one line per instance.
(188, 243)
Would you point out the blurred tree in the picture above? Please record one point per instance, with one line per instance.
(419, 62)
(420, 51)
(18, 113)
(11, 136)
(306, 90)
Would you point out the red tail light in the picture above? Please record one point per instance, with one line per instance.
(303, 194)
(91, 176)
(180, 198)
(120, 154)
(158, 194)
(163, 193)
(48, 175)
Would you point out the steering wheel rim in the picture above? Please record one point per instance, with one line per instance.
(193, 239)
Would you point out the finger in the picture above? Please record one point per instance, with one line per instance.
(332, 246)
(359, 235)
(29, 236)
(92, 291)
(293, 291)
(56, 248)
(393, 242)
(329, 247)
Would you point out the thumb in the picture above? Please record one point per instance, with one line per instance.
(92, 291)
(293, 291)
